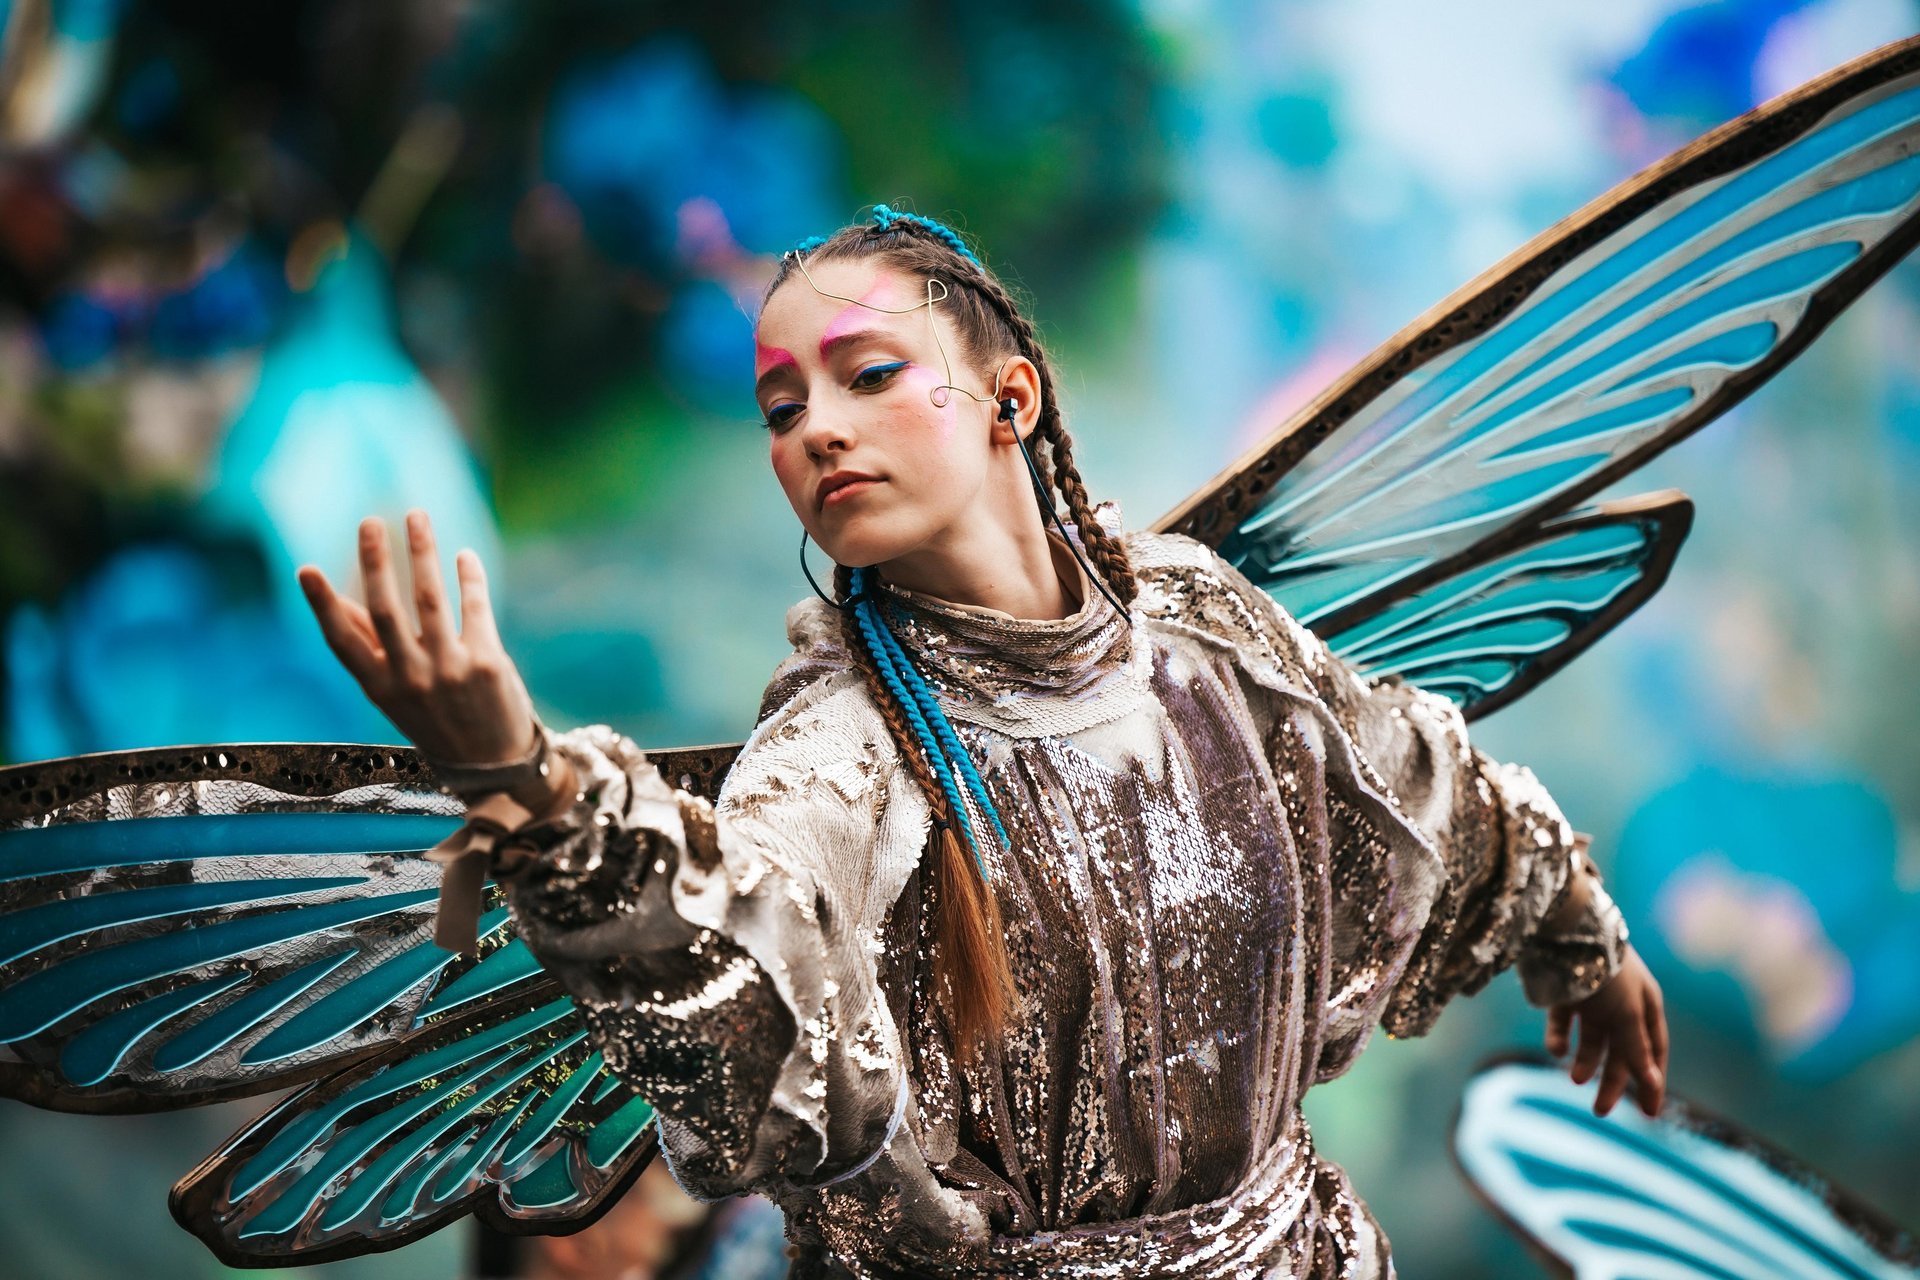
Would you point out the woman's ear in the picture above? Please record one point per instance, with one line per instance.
(1019, 381)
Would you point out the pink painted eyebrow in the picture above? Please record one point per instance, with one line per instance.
(766, 357)
(779, 362)
(845, 319)
(769, 362)
(833, 342)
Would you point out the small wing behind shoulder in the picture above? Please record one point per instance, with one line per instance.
(1493, 630)
(1682, 1196)
(507, 1112)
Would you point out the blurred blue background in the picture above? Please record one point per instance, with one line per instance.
(265, 269)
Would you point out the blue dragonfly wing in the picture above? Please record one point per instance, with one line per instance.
(1608, 339)
(178, 925)
(1685, 1195)
(1494, 629)
(505, 1110)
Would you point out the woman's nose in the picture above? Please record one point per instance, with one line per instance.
(824, 433)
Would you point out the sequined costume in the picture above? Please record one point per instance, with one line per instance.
(1231, 858)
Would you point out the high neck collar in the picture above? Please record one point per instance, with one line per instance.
(1027, 677)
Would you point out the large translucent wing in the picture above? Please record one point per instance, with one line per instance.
(1494, 629)
(1606, 340)
(1686, 1196)
(184, 924)
(508, 1112)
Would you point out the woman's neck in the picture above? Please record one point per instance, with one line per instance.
(1016, 571)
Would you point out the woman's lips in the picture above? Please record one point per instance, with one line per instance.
(843, 489)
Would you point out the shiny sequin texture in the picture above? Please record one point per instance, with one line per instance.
(1230, 859)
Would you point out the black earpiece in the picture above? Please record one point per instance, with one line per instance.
(1008, 408)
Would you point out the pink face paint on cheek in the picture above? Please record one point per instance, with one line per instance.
(926, 382)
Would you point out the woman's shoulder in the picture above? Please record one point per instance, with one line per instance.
(819, 655)
(816, 700)
(1188, 586)
(1185, 582)
(1161, 554)
(820, 781)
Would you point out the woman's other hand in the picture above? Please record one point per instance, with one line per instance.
(454, 693)
(1626, 1022)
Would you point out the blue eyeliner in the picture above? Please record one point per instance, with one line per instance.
(892, 367)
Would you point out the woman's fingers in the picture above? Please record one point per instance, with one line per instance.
(1593, 1041)
(351, 638)
(476, 605)
(1656, 1012)
(1559, 1028)
(1613, 1081)
(1656, 1021)
(429, 590)
(405, 658)
(1632, 1056)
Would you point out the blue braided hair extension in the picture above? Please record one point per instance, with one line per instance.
(939, 743)
(871, 626)
(943, 730)
(885, 216)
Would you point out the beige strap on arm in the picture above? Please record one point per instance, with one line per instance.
(468, 856)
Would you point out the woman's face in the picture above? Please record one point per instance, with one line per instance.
(874, 468)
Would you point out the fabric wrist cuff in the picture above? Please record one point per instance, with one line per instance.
(477, 850)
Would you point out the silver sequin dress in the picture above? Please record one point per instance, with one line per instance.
(1231, 858)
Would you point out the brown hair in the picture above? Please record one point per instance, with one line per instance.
(969, 944)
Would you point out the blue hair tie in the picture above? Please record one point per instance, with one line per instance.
(808, 245)
(884, 216)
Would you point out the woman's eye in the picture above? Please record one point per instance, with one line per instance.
(876, 375)
(780, 416)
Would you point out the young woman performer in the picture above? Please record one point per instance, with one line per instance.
(1062, 862)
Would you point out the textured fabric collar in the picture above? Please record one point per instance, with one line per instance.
(1025, 677)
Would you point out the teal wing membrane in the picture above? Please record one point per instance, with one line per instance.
(1684, 1196)
(179, 925)
(1487, 634)
(1608, 339)
(506, 1111)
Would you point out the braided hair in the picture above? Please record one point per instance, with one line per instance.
(969, 945)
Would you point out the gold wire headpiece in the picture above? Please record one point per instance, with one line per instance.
(934, 395)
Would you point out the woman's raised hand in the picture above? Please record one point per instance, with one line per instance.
(454, 693)
(1626, 1022)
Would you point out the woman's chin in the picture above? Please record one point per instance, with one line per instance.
(860, 547)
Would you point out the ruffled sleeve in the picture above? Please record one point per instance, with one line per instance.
(725, 956)
(1444, 866)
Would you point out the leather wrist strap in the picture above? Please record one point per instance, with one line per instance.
(528, 780)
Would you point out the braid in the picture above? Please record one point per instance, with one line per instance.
(1106, 551)
(970, 954)
(1057, 470)
(884, 217)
